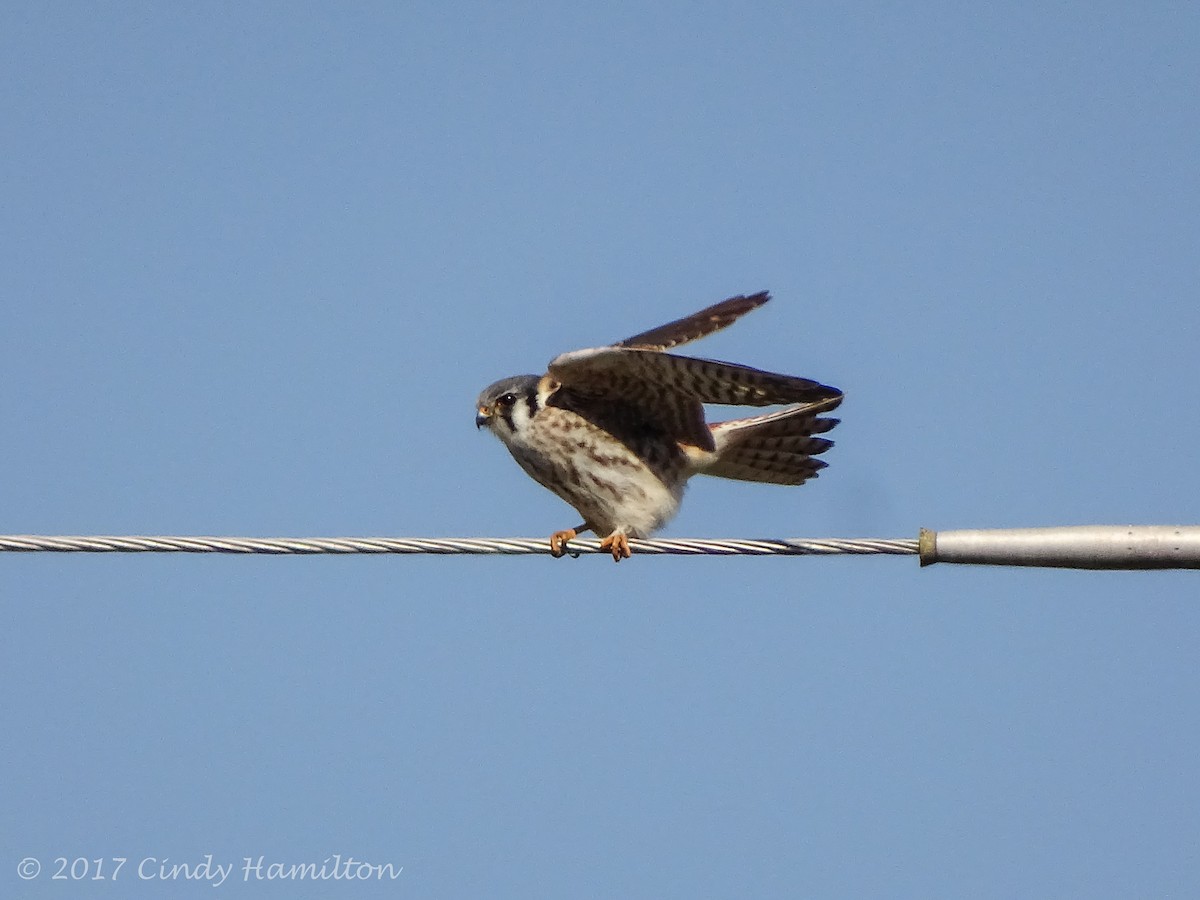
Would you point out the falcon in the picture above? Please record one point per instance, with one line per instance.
(617, 431)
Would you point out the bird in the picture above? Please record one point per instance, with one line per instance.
(617, 431)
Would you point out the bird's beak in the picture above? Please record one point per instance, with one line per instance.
(481, 416)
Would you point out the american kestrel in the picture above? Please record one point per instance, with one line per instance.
(617, 431)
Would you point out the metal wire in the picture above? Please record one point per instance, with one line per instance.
(30, 543)
(1074, 547)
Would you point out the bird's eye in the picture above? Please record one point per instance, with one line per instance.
(506, 399)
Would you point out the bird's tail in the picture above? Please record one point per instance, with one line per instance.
(777, 447)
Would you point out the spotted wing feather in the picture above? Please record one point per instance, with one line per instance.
(668, 391)
(698, 325)
(623, 399)
(618, 370)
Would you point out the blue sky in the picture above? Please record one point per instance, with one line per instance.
(258, 262)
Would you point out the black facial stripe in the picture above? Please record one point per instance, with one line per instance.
(531, 402)
(506, 414)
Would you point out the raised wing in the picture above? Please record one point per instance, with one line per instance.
(667, 392)
(697, 325)
(618, 370)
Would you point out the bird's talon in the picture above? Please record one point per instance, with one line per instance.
(558, 543)
(618, 544)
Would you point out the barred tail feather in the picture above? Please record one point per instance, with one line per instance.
(777, 448)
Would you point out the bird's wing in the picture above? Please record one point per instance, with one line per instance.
(667, 391)
(620, 399)
(625, 371)
(697, 325)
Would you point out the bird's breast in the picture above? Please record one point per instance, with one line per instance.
(635, 485)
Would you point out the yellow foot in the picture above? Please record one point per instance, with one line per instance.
(618, 543)
(558, 542)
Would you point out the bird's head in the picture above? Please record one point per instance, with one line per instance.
(507, 406)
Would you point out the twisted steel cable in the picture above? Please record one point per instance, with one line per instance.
(28, 543)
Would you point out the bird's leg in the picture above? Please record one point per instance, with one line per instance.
(618, 544)
(558, 540)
